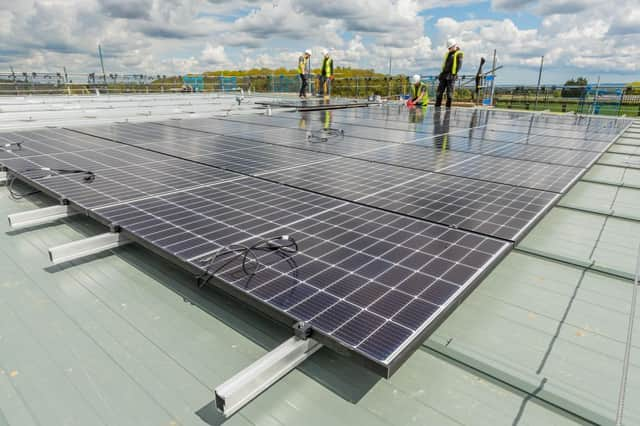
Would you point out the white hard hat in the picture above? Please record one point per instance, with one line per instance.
(451, 43)
(325, 52)
(308, 52)
(415, 79)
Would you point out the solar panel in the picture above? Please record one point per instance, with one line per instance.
(505, 217)
(371, 281)
(477, 140)
(416, 121)
(129, 173)
(488, 208)
(45, 141)
(390, 235)
(549, 155)
(436, 144)
(502, 211)
(141, 134)
(345, 178)
(118, 175)
(262, 158)
(315, 104)
(526, 174)
(401, 118)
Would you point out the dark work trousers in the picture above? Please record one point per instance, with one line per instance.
(325, 86)
(303, 85)
(446, 84)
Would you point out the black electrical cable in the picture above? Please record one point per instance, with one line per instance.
(15, 195)
(18, 146)
(329, 131)
(284, 245)
(326, 134)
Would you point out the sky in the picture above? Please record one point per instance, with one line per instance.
(577, 37)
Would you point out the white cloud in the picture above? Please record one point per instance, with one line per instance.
(214, 55)
(181, 66)
(166, 36)
(626, 23)
(128, 9)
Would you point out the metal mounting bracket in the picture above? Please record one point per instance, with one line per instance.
(86, 247)
(240, 389)
(40, 216)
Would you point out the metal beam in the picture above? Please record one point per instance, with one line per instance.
(86, 247)
(39, 216)
(239, 390)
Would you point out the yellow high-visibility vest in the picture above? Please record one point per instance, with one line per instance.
(302, 64)
(327, 67)
(416, 91)
(454, 67)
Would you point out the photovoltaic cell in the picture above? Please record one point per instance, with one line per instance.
(503, 211)
(365, 279)
(392, 231)
(345, 178)
(477, 141)
(546, 177)
(117, 175)
(232, 153)
(45, 141)
(315, 103)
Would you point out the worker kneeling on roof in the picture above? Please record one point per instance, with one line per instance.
(450, 67)
(419, 93)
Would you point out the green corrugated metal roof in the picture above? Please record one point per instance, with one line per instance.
(112, 340)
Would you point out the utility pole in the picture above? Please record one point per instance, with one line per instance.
(13, 75)
(104, 75)
(66, 80)
(389, 81)
(595, 109)
(535, 108)
(493, 80)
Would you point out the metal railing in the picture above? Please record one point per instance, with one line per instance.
(601, 99)
(609, 99)
(359, 86)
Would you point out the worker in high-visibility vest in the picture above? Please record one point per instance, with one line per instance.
(450, 68)
(419, 93)
(304, 71)
(326, 74)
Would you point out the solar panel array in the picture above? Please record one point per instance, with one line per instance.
(361, 276)
(315, 103)
(396, 213)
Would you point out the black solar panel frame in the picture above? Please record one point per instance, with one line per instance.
(417, 342)
(384, 370)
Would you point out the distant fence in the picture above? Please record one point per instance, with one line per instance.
(591, 99)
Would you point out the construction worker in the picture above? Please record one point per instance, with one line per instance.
(326, 74)
(450, 68)
(419, 93)
(304, 71)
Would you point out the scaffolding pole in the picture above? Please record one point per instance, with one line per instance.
(535, 108)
